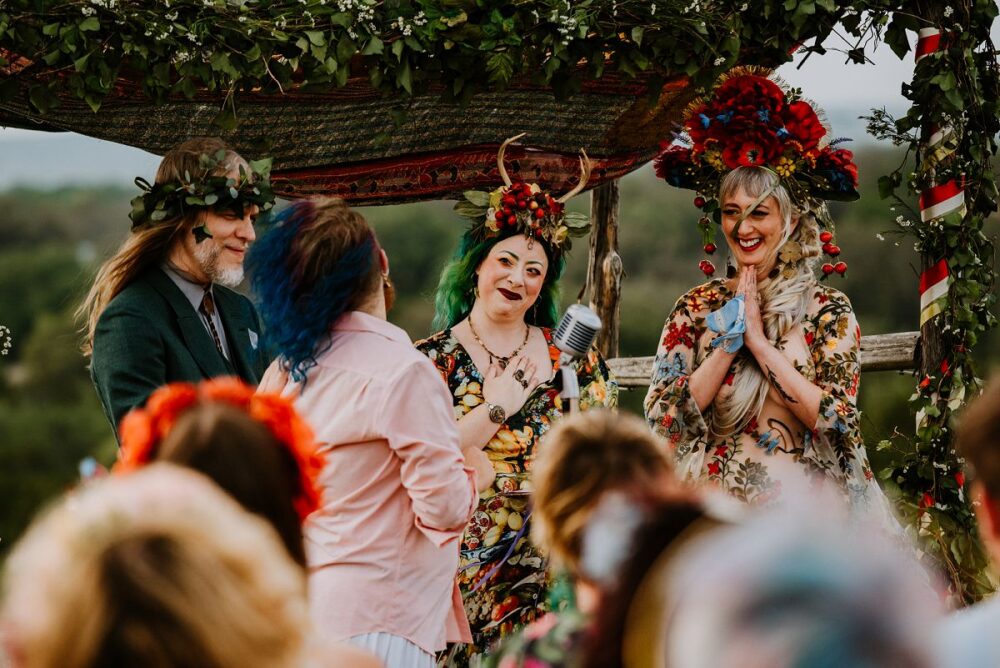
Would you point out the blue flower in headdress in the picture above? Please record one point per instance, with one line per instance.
(838, 180)
(725, 117)
(764, 115)
(782, 133)
(705, 120)
(768, 441)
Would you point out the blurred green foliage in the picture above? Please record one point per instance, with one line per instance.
(51, 241)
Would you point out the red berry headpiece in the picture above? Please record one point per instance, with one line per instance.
(524, 207)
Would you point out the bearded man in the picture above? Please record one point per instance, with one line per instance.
(160, 309)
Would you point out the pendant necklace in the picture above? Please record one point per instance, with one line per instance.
(501, 360)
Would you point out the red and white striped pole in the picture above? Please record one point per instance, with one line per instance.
(937, 200)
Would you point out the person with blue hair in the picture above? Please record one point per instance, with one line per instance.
(383, 547)
(497, 302)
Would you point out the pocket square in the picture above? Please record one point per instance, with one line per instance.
(253, 338)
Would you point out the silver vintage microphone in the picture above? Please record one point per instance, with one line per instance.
(574, 336)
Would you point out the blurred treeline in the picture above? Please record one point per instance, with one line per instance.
(51, 242)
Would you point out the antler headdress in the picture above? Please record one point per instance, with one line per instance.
(525, 207)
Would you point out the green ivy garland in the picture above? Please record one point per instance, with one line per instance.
(178, 47)
(958, 86)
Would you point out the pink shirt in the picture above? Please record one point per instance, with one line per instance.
(383, 549)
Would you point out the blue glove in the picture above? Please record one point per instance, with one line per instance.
(730, 323)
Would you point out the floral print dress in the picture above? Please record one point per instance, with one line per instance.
(775, 446)
(501, 573)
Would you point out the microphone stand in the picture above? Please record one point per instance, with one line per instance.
(570, 384)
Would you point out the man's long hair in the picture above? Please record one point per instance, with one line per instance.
(149, 243)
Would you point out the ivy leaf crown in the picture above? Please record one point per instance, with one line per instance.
(524, 207)
(220, 193)
(751, 121)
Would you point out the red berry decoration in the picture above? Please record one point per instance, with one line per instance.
(826, 237)
(827, 247)
(511, 219)
(539, 212)
(707, 267)
(709, 248)
(522, 204)
(833, 250)
(827, 269)
(840, 268)
(500, 215)
(699, 201)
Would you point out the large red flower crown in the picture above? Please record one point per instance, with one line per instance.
(750, 121)
(144, 429)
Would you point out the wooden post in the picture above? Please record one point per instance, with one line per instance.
(604, 269)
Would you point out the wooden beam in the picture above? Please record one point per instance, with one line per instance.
(881, 352)
(604, 269)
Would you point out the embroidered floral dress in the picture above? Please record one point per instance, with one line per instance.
(823, 348)
(501, 573)
(553, 641)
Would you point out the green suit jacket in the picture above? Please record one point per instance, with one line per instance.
(149, 335)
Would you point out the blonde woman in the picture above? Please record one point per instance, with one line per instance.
(157, 568)
(756, 376)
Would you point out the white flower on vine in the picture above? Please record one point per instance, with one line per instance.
(948, 11)
(88, 11)
(5, 337)
(719, 60)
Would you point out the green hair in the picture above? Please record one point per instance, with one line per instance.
(454, 298)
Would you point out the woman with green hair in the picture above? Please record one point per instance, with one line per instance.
(497, 302)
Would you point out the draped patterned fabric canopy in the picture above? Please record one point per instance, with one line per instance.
(354, 142)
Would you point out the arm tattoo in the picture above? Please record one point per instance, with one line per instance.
(771, 378)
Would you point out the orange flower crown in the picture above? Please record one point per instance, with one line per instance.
(143, 429)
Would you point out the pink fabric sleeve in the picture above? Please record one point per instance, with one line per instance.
(419, 424)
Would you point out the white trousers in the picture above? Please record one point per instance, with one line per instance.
(394, 651)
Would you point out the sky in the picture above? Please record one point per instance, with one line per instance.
(844, 91)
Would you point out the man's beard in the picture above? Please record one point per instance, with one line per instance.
(207, 254)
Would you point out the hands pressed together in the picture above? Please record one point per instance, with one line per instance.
(754, 336)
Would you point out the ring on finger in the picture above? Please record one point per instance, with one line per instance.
(524, 382)
(519, 374)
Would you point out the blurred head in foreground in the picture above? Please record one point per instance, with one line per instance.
(158, 569)
(586, 457)
(253, 446)
(979, 443)
(799, 590)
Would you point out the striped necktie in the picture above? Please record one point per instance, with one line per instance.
(208, 310)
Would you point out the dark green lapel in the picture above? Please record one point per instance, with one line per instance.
(199, 341)
(242, 344)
